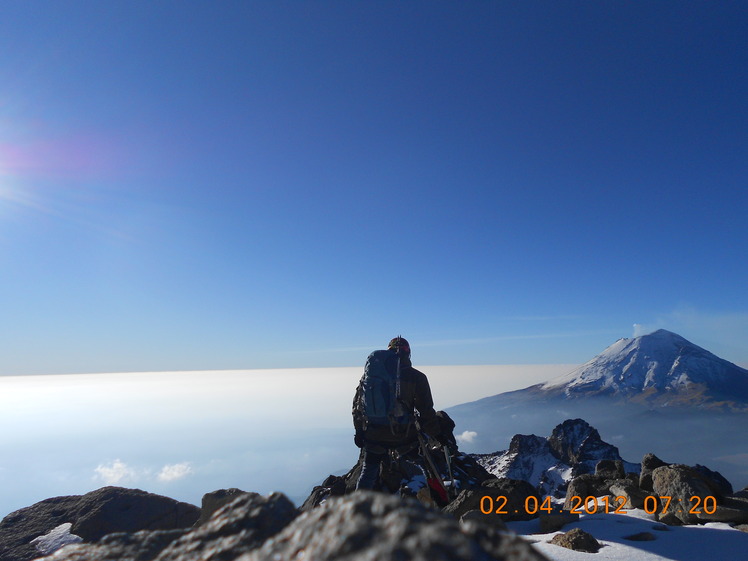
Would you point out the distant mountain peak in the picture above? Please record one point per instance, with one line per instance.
(659, 367)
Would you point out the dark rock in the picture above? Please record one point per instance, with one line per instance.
(237, 528)
(610, 469)
(215, 500)
(516, 492)
(576, 442)
(115, 509)
(630, 491)
(370, 525)
(494, 520)
(743, 494)
(20, 527)
(650, 462)
(106, 510)
(640, 537)
(578, 540)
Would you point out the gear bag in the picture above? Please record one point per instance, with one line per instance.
(380, 403)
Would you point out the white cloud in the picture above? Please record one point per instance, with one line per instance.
(115, 473)
(173, 472)
(466, 437)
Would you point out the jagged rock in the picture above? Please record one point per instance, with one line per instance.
(578, 540)
(556, 519)
(743, 493)
(650, 462)
(575, 442)
(680, 483)
(574, 448)
(610, 469)
(515, 491)
(106, 510)
(214, 500)
(370, 525)
(238, 527)
(630, 491)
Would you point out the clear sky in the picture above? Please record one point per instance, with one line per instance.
(217, 185)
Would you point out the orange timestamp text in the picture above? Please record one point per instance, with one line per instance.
(593, 505)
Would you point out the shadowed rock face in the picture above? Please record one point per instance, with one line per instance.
(93, 515)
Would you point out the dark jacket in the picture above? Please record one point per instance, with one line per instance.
(416, 394)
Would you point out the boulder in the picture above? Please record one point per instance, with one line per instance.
(610, 469)
(680, 483)
(578, 540)
(650, 462)
(718, 482)
(214, 500)
(115, 509)
(630, 491)
(371, 525)
(93, 515)
(516, 492)
(584, 486)
(237, 528)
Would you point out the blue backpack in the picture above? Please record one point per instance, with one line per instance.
(380, 403)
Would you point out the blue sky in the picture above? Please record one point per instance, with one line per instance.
(194, 185)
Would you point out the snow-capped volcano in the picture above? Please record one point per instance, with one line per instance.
(661, 366)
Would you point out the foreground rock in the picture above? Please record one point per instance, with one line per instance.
(91, 516)
(370, 525)
(363, 525)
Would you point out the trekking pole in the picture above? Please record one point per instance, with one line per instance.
(429, 461)
(449, 469)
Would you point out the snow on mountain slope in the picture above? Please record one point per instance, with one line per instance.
(655, 365)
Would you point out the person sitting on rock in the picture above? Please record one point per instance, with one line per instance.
(389, 394)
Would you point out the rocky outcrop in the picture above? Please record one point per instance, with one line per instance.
(370, 525)
(362, 525)
(93, 515)
(676, 494)
(573, 449)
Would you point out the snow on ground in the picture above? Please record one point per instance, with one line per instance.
(713, 541)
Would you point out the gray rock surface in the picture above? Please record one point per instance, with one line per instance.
(369, 525)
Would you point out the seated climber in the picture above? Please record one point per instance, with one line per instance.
(390, 393)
